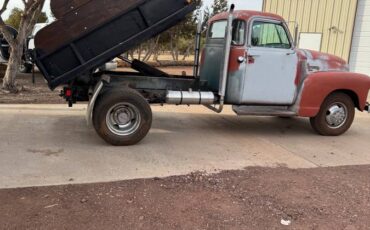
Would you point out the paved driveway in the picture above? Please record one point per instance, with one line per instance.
(51, 145)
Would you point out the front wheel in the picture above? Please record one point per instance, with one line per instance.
(335, 116)
(122, 117)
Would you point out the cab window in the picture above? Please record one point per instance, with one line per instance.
(218, 30)
(270, 35)
(238, 35)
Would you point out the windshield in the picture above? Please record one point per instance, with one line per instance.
(269, 35)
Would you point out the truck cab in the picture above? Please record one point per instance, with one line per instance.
(258, 40)
(269, 75)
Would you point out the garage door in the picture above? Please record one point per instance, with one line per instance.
(360, 52)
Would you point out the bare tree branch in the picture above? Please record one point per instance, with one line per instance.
(5, 5)
(34, 18)
(31, 7)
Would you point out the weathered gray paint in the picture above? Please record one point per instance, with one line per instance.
(211, 67)
(270, 80)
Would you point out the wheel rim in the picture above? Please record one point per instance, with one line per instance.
(336, 115)
(123, 119)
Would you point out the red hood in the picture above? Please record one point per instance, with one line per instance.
(322, 62)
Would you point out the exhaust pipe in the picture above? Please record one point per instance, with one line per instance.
(190, 98)
(225, 69)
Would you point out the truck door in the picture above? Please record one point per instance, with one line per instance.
(213, 58)
(271, 64)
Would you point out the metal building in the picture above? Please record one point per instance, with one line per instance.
(339, 27)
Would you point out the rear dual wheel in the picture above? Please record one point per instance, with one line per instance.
(122, 117)
(335, 116)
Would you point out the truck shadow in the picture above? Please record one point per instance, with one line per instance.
(233, 124)
(177, 126)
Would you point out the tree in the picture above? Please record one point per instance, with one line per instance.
(31, 13)
(206, 17)
(180, 38)
(15, 17)
(219, 6)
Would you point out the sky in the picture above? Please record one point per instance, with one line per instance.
(19, 4)
(240, 5)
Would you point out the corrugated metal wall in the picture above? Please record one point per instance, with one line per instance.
(333, 18)
(360, 52)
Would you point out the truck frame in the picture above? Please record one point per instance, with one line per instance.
(249, 61)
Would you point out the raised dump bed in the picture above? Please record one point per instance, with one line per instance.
(88, 33)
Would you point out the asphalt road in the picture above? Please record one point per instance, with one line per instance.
(51, 145)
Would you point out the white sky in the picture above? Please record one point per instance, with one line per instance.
(19, 4)
(240, 4)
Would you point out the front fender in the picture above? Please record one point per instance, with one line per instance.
(319, 85)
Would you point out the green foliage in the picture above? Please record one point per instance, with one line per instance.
(180, 38)
(43, 18)
(15, 18)
(219, 6)
(206, 15)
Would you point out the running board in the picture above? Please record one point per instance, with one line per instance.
(264, 110)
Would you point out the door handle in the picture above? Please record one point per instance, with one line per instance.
(241, 59)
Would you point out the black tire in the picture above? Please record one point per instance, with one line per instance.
(336, 102)
(120, 106)
(25, 68)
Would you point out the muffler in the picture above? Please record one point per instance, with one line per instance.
(190, 98)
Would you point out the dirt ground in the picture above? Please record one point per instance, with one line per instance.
(255, 198)
(39, 93)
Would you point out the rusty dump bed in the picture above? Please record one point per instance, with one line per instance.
(88, 33)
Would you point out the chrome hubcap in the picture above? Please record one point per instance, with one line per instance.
(123, 119)
(336, 116)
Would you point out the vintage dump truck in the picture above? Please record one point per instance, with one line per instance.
(249, 61)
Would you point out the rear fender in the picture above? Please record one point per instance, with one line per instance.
(318, 86)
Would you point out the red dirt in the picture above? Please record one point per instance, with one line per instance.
(254, 198)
